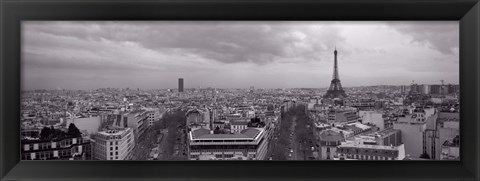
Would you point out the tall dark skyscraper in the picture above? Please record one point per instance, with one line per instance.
(180, 85)
(335, 90)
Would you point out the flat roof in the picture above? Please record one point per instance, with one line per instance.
(446, 116)
(330, 135)
(113, 131)
(354, 145)
(202, 134)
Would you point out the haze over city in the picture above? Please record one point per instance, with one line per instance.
(153, 55)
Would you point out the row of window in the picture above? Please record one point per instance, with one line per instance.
(46, 154)
(366, 151)
(219, 156)
(222, 147)
(366, 157)
(49, 145)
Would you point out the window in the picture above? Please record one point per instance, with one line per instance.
(116, 148)
(111, 143)
(111, 148)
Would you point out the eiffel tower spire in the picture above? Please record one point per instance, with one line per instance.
(335, 66)
(335, 90)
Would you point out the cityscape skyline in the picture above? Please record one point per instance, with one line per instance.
(271, 118)
(91, 55)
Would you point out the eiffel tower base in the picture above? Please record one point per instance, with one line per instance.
(335, 94)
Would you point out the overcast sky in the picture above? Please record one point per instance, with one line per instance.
(154, 54)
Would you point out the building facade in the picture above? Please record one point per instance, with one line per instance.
(451, 149)
(66, 148)
(351, 151)
(328, 142)
(250, 144)
(114, 144)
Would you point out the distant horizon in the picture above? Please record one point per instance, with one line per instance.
(88, 55)
(187, 88)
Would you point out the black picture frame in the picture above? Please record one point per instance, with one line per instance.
(15, 11)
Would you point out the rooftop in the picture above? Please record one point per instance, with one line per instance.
(446, 116)
(239, 122)
(384, 132)
(360, 125)
(202, 133)
(455, 142)
(355, 145)
(330, 135)
(111, 131)
(352, 128)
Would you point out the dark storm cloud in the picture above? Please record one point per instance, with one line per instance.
(227, 42)
(442, 36)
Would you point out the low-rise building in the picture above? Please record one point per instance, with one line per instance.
(362, 103)
(236, 126)
(328, 142)
(250, 143)
(451, 149)
(353, 151)
(413, 136)
(59, 148)
(114, 144)
(387, 137)
(373, 117)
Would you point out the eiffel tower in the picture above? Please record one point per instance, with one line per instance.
(335, 90)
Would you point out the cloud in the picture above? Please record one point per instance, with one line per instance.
(225, 42)
(442, 36)
(154, 54)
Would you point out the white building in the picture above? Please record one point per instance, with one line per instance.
(412, 134)
(198, 118)
(448, 127)
(353, 151)
(114, 144)
(137, 120)
(451, 149)
(250, 143)
(328, 142)
(236, 126)
(373, 117)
